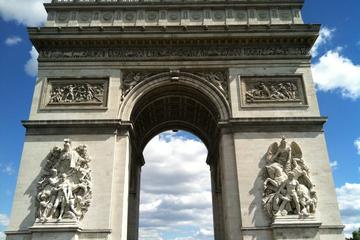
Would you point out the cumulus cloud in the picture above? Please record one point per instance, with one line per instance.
(335, 72)
(175, 190)
(2, 236)
(4, 220)
(13, 40)
(357, 145)
(334, 164)
(349, 202)
(27, 12)
(31, 67)
(325, 36)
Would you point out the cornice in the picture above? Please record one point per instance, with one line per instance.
(53, 36)
(275, 124)
(268, 124)
(164, 4)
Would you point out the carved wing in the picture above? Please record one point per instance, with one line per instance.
(271, 151)
(295, 150)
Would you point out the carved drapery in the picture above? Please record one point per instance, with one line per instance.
(288, 189)
(64, 189)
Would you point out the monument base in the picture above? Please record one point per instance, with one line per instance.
(295, 227)
(55, 230)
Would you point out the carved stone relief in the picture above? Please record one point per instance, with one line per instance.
(288, 189)
(218, 78)
(131, 78)
(132, 53)
(64, 189)
(272, 91)
(162, 17)
(76, 92)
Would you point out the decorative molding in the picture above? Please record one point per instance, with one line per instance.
(75, 93)
(272, 91)
(166, 52)
(130, 79)
(64, 189)
(184, 13)
(288, 189)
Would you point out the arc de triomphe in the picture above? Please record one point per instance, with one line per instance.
(115, 73)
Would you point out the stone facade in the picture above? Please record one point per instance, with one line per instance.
(113, 74)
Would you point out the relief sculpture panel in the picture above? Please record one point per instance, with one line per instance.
(288, 189)
(278, 91)
(60, 93)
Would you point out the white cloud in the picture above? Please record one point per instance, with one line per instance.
(349, 202)
(357, 145)
(334, 72)
(149, 234)
(325, 36)
(27, 12)
(7, 169)
(4, 220)
(334, 164)
(2, 236)
(13, 40)
(176, 189)
(31, 67)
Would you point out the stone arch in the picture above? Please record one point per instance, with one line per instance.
(168, 101)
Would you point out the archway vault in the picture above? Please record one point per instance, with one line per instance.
(172, 100)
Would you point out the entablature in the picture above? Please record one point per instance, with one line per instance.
(134, 43)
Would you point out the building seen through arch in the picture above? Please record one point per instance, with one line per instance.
(113, 74)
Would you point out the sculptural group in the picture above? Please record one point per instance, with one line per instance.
(283, 91)
(288, 189)
(64, 189)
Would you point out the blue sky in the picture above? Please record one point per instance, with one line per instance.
(336, 68)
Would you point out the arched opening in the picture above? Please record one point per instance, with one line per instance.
(175, 192)
(164, 104)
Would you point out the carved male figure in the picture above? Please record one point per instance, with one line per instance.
(290, 185)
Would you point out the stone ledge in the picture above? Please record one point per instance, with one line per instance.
(275, 124)
(294, 221)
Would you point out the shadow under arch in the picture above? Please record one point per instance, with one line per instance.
(174, 101)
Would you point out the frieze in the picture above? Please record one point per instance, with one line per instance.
(272, 91)
(129, 53)
(75, 92)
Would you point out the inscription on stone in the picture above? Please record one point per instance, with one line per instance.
(272, 91)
